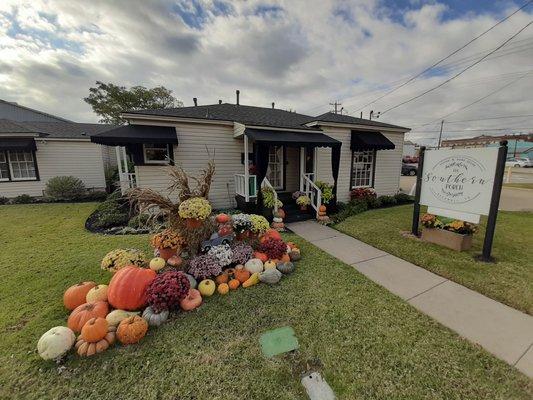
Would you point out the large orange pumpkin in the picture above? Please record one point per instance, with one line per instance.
(85, 312)
(127, 289)
(74, 296)
(131, 330)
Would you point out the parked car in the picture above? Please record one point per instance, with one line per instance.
(523, 162)
(409, 169)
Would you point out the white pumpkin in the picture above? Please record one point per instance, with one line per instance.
(254, 265)
(115, 316)
(55, 342)
(97, 293)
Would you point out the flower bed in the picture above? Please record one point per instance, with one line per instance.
(455, 235)
(143, 294)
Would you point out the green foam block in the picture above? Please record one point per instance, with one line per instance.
(278, 341)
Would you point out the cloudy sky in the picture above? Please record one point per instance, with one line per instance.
(300, 54)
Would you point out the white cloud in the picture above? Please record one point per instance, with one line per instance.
(300, 54)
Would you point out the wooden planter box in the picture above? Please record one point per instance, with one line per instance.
(451, 240)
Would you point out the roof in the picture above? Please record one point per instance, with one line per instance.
(14, 104)
(259, 116)
(8, 126)
(248, 115)
(291, 138)
(127, 134)
(68, 130)
(347, 119)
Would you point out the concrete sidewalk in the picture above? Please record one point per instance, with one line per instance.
(501, 330)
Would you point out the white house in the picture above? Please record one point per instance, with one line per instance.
(255, 146)
(36, 146)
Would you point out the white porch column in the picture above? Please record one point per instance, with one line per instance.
(246, 170)
(126, 168)
(302, 167)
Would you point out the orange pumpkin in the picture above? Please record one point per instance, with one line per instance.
(262, 256)
(285, 258)
(223, 288)
(222, 218)
(193, 300)
(234, 284)
(322, 208)
(94, 330)
(131, 330)
(242, 275)
(127, 289)
(222, 278)
(75, 295)
(85, 312)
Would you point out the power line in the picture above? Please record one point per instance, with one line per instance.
(478, 100)
(447, 57)
(475, 130)
(490, 118)
(460, 72)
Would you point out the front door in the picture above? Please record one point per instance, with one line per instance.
(309, 160)
(275, 167)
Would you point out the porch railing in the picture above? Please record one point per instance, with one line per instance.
(127, 181)
(247, 191)
(312, 190)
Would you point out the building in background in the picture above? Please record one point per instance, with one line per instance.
(36, 146)
(520, 145)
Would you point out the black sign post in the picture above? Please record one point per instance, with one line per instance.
(494, 203)
(416, 210)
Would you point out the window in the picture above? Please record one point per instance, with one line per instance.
(22, 166)
(275, 166)
(4, 168)
(362, 168)
(156, 153)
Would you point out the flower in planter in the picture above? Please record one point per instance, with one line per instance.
(303, 201)
(461, 227)
(268, 198)
(167, 239)
(431, 221)
(327, 191)
(241, 223)
(204, 266)
(166, 290)
(222, 253)
(259, 224)
(194, 208)
(242, 252)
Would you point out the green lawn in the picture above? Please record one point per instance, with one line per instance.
(368, 343)
(509, 281)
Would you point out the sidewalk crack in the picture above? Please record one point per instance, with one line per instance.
(427, 290)
(523, 354)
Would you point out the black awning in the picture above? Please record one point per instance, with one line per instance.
(130, 134)
(291, 138)
(370, 140)
(20, 144)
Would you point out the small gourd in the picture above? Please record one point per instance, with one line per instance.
(155, 318)
(222, 278)
(285, 268)
(270, 276)
(234, 284)
(270, 264)
(295, 255)
(131, 330)
(254, 265)
(115, 316)
(223, 288)
(252, 280)
(242, 275)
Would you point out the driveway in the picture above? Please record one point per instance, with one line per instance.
(512, 199)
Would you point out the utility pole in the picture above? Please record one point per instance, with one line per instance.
(440, 133)
(336, 104)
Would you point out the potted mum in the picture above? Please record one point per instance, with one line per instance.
(167, 242)
(303, 201)
(269, 201)
(241, 225)
(259, 225)
(194, 210)
(455, 235)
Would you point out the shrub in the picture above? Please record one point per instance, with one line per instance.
(23, 199)
(95, 195)
(111, 177)
(138, 221)
(403, 198)
(106, 221)
(347, 210)
(3, 200)
(362, 194)
(387, 201)
(65, 188)
(374, 202)
(114, 211)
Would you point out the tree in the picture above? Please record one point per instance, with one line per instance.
(108, 100)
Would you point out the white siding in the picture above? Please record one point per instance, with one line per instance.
(192, 155)
(58, 158)
(388, 164)
(109, 156)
